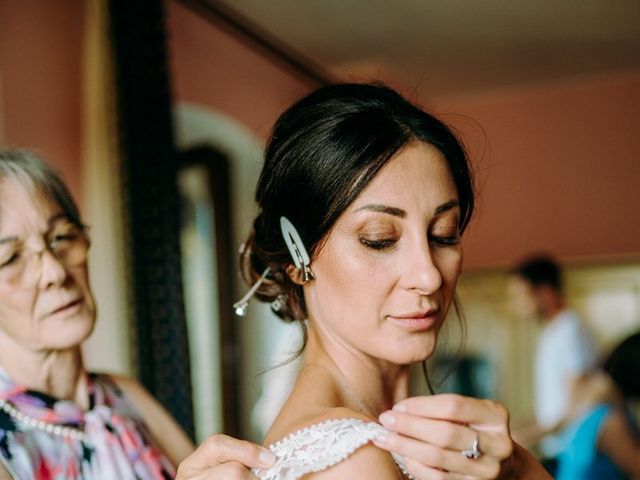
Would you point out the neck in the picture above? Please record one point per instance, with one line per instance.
(361, 382)
(58, 373)
(553, 304)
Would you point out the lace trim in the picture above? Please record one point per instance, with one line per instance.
(320, 446)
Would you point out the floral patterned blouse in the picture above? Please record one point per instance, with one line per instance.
(42, 438)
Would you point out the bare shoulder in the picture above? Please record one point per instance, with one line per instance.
(338, 413)
(284, 427)
(617, 441)
(368, 461)
(614, 427)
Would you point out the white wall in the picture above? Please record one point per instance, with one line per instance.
(260, 329)
(606, 295)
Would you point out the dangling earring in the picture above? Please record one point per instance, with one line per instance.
(296, 248)
(279, 303)
(241, 305)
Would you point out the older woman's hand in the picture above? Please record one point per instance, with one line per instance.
(221, 457)
(439, 435)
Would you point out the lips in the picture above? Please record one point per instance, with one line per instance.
(417, 321)
(66, 306)
(418, 314)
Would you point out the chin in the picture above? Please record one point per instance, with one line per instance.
(406, 355)
(71, 334)
(68, 343)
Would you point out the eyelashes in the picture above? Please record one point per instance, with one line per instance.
(10, 260)
(446, 241)
(378, 244)
(387, 243)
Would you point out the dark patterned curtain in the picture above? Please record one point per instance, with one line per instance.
(149, 167)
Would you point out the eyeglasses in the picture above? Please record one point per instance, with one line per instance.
(66, 242)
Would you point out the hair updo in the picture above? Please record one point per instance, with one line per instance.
(620, 366)
(323, 151)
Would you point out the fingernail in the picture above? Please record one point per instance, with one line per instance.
(267, 458)
(381, 439)
(400, 407)
(387, 419)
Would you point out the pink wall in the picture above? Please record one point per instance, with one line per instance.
(215, 69)
(558, 167)
(40, 75)
(560, 173)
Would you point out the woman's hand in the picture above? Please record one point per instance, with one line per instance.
(432, 432)
(221, 457)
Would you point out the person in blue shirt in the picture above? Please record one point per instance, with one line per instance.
(603, 440)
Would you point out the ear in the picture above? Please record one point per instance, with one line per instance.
(87, 238)
(295, 274)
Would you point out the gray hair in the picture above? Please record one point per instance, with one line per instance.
(35, 175)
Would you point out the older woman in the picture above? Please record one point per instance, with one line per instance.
(58, 421)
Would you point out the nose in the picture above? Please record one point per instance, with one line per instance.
(421, 270)
(52, 271)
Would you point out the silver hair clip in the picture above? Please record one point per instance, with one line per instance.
(296, 249)
(241, 305)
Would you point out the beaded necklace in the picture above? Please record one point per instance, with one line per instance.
(60, 430)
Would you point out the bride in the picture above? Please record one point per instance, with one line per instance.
(362, 202)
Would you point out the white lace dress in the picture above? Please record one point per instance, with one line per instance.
(321, 446)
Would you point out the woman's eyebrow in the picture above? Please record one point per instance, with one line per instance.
(376, 207)
(55, 217)
(447, 206)
(398, 212)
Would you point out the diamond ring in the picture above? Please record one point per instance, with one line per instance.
(474, 452)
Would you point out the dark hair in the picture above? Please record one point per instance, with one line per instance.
(323, 151)
(622, 366)
(33, 174)
(539, 270)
